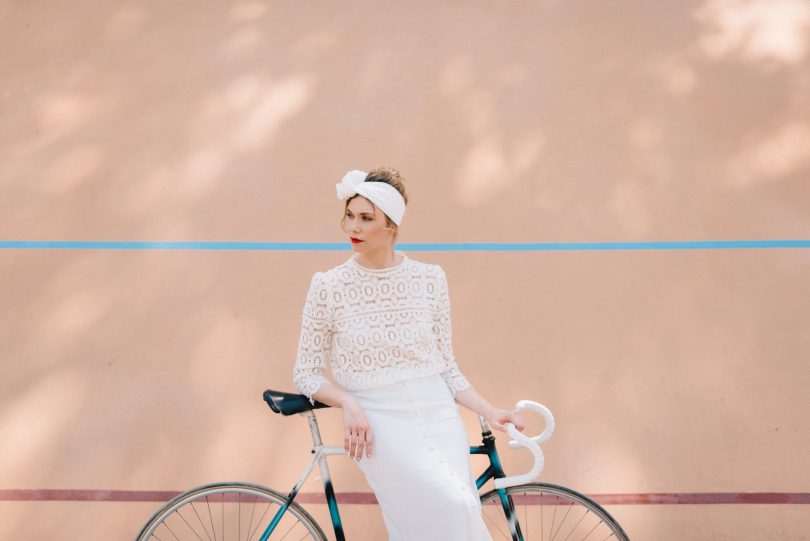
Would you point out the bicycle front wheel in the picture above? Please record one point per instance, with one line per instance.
(229, 512)
(541, 511)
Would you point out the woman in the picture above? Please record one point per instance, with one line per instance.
(382, 321)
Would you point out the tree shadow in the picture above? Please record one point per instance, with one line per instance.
(543, 122)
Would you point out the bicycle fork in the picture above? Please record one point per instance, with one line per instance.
(320, 452)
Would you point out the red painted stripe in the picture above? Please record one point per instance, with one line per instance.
(78, 495)
(351, 498)
(704, 498)
(367, 498)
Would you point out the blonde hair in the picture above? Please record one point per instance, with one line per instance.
(389, 176)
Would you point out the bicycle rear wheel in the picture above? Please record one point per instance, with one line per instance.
(228, 512)
(545, 512)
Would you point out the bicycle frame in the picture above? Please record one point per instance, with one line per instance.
(495, 471)
(320, 452)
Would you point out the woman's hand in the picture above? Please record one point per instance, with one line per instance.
(469, 398)
(498, 419)
(356, 429)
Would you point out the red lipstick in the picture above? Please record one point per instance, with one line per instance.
(355, 241)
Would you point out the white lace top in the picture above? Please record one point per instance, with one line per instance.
(376, 326)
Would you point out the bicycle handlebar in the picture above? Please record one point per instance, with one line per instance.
(531, 443)
(542, 410)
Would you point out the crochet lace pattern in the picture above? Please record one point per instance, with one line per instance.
(375, 327)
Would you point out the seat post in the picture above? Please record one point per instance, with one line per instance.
(313, 427)
(484, 425)
(326, 477)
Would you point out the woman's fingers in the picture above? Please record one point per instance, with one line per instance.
(360, 445)
(356, 432)
(517, 420)
(355, 443)
(350, 443)
(505, 416)
(357, 446)
(369, 444)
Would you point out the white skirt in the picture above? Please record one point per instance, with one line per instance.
(419, 468)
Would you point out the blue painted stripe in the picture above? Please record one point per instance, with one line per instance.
(171, 245)
(602, 246)
(414, 246)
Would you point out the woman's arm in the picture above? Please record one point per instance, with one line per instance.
(315, 340)
(442, 329)
(462, 391)
(472, 400)
(309, 372)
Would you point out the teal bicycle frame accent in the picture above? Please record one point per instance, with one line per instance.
(495, 471)
(320, 452)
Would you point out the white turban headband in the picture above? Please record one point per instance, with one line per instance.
(383, 195)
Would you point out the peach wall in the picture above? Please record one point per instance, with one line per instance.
(675, 371)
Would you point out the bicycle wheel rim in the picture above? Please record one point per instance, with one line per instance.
(546, 512)
(228, 512)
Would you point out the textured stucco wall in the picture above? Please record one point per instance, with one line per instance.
(678, 371)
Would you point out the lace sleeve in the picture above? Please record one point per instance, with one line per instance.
(314, 344)
(443, 329)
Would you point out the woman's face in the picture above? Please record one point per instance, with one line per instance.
(366, 226)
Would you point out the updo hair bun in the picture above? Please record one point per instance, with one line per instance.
(390, 176)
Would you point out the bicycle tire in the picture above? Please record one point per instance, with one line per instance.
(546, 512)
(215, 512)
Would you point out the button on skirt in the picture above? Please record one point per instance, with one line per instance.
(420, 464)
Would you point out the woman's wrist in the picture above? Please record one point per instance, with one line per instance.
(347, 400)
(490, 412)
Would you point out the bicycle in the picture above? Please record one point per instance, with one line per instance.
(240, 511)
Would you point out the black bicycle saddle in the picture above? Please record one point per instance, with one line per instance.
(290, 403)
